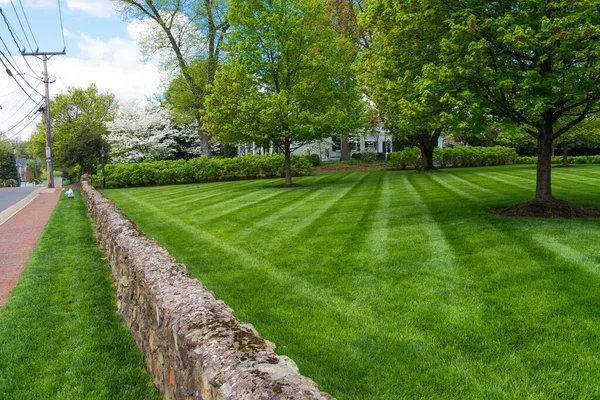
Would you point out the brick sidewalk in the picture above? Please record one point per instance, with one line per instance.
(18, 237)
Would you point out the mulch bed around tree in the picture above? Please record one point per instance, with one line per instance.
(547, 209)
(285, 185)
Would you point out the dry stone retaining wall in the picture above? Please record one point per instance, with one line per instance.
(192, 343)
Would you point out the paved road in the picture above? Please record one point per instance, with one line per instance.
(9, 196)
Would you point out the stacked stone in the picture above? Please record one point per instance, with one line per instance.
(193, 345)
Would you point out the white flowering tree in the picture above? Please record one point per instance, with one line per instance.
(147, 133)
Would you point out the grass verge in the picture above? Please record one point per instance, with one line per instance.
(60, 335)
(398, 284)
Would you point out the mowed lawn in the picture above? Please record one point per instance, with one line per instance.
(60, 334)
(398, 284)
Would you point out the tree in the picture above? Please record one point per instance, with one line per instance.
(584, 136)
(147, 133)
(287, 80)
(534, 63)
(402, 73)
(345, 13)
(8, 162)
(78, 115)
(176, 20)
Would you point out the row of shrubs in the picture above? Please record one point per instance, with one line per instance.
(455, 157)
(559, 160)
(199, 170)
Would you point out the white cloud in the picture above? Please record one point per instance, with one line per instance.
(114, 65)
(97, 8)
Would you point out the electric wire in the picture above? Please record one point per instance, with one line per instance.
(28, 25)
(14, 67)
(17, 82)
(62, 30)
(19, 73)
(31, 120)
(18, 109)
(8, 94)
(15, 38)
(12, 33)
(27, 116)
(21, 24)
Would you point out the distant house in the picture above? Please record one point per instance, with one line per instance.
(331, 148)
(22, 169)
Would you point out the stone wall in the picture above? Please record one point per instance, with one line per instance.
(192, 343)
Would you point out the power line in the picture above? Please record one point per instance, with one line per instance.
(19, 73)
(14, 67)
(62, 30)
(8, 94)
(19, 20)
(15, 38)
(18, 109)
(29, 26)
(32, 120)
(12, 33)
(27, 116)
(17, 82)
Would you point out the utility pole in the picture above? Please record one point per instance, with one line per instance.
(45, 56)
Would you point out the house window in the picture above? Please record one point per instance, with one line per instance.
(336, 143)
(370, 144)
(354, 143)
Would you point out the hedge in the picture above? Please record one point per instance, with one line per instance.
(559, 160)
(464, 156)
(199, 170)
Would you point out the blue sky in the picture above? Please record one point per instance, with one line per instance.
(101, 48)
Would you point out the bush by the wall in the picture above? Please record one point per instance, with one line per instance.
(196, 170)
(409, 157)
(474, 156)
(471, 156)
(559, 160)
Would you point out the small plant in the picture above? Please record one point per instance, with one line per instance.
(315, 159)
(369, 156)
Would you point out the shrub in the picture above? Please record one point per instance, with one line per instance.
(594, 160)
(356, 156)
(559, 160)
(409, 157)
(369, 156)
(315, 159)
(168, 172)
(456, 157)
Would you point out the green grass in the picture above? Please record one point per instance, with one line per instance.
(398, 284)
(60, 336)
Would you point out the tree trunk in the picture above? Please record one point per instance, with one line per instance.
(565, 154)
(288, 161)
(427, 142)
(345, 148)
(204, 140)
(543, 188)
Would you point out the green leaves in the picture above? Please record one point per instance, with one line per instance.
(288, 78)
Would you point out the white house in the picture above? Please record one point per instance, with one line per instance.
(331, 148)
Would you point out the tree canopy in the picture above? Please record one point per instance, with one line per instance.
(288, 77)
(534, 63)
(147, 134)
(190, 34)
(78, 116)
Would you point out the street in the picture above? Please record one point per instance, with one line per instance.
(9, 196)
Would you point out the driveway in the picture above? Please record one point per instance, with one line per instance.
(10, 196)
